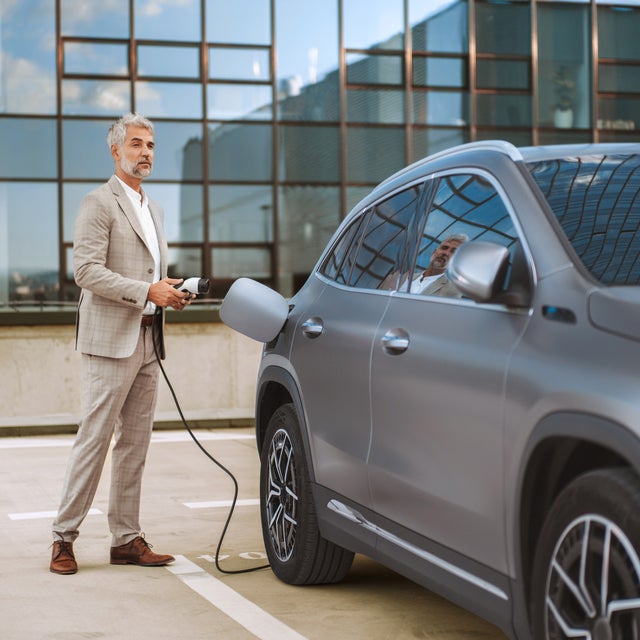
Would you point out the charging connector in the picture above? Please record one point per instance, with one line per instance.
(193, 285)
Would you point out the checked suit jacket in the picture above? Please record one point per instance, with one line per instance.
(114, 268)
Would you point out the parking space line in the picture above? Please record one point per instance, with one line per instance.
(247, 614)
(35, 515)
(33, 442)
(158, 437)
(249, 502)
(183, 436)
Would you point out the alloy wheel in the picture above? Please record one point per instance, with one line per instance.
(593, 583)
(281, 501)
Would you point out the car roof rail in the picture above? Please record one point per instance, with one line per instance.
(501, 146)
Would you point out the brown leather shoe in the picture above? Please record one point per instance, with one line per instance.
(138, 551)
(62, 559)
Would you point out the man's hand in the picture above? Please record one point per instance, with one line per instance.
(163, 294)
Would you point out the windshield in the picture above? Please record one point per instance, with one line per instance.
(596, 199)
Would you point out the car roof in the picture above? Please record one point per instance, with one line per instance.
(536, 154)
(495, 148)
(518, 154)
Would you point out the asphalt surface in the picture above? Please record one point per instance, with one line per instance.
(185, 504)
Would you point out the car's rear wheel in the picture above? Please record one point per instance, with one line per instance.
(298, 554)
(586, 578)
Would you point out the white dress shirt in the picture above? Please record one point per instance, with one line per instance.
(420, 283)
(141, 205)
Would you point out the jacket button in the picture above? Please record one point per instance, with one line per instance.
(149, 270)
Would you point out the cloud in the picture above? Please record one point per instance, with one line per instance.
(153, 8)
(81, 11)
(26, 87)
(8, 7)
(97, 96)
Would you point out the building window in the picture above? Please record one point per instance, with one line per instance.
(503, 85)
(618, 102)
(564, 63)
(274, 117)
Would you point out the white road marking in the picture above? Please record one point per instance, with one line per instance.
(158, 437)
(247, 614)
(35, 515)
(183, 436)
(250, 502)
(32, 442)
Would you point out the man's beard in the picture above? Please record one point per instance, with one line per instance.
(132, 169)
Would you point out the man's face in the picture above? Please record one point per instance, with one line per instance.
(135, 156)
(440, 256)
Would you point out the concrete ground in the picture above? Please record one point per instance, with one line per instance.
(185, 504)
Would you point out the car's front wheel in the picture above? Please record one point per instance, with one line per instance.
(586, 577)
(298, 554)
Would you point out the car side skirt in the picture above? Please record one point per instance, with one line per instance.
(459, 579)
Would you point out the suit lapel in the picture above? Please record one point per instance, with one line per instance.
(126, 207)
(436, 286)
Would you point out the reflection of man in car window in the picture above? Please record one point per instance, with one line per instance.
(433, 280)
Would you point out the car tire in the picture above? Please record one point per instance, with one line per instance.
(298, 554)
(586, 576)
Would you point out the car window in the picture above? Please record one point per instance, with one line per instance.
(381, 254)
(596, 199)
(465, 207)
(337, 266)
(371, 252)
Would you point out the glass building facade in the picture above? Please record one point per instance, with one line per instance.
(273, 117)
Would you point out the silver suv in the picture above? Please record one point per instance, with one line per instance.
(455, 391)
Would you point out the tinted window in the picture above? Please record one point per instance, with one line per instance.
(382, 251)
(596, 201)
(335, 265)
(465, 207)
(466, 204)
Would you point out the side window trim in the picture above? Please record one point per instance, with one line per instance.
(430, 188)
(519, 237)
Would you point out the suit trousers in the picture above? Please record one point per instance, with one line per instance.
(118, 399)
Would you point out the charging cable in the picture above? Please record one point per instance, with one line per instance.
(215, 461)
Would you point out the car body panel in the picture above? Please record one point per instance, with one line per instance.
(471, 584)
(558, 370)
(616, 309)
(437, 467)
(333, 371)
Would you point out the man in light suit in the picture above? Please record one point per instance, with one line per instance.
(433, 280)
(120, 263)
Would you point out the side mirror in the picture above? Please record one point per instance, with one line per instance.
(255, 310)
(478, 269)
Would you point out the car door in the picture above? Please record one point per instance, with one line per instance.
(331, 352)
(438, 370)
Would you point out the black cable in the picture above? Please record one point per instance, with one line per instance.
(217, 462)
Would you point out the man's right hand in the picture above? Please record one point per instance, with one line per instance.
(164, 294)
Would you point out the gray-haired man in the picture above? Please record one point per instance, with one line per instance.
(433, 280)
(120, 263)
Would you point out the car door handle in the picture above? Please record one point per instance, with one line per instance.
(313, 327)
(395, 341)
